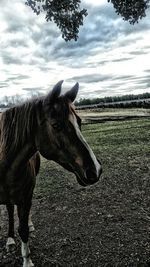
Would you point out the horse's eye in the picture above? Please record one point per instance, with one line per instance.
(56, 126)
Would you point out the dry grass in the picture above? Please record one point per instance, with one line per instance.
(114, 112)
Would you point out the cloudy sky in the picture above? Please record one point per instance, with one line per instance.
(111, 57)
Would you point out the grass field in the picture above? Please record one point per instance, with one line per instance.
(107, 224)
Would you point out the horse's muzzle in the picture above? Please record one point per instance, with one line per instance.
(91, 176)
(85, 177)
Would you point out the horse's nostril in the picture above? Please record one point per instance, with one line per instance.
(90, 174)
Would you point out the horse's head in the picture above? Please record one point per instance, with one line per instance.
(60, 139)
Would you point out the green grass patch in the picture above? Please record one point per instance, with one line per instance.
(122, 146)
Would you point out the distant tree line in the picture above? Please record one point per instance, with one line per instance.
(137, 103)
(112, 100)
(126, 101)
(10, 101)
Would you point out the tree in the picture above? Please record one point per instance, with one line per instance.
(68, 15)
(65, 13)
(131, 10)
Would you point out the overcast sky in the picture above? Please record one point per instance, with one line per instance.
(111, 57)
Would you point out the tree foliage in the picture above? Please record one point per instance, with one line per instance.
(131, 10)
(68, 14)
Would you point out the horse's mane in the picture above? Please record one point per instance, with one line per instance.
(17, 124)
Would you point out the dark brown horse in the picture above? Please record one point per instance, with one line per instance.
(51, 126)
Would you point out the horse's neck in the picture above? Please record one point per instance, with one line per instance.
(12, 164)
(21, 158)
(17, 155)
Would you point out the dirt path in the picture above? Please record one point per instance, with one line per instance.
(90, 227)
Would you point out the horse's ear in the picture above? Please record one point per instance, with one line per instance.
(72, 93)
(54, 94)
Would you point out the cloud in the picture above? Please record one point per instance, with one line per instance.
(93, 78)
(10, 59)
(3, 85)
(33, 89)
(16, 78)
(111, 57)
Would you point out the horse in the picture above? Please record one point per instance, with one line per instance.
(50, 126)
